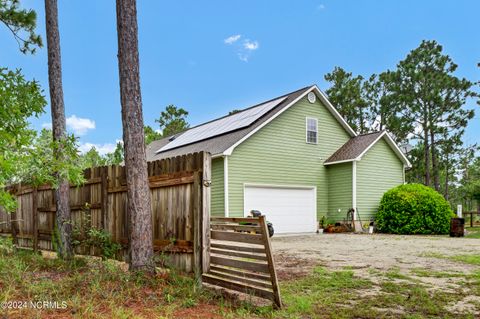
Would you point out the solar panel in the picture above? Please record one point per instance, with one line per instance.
(227, 124)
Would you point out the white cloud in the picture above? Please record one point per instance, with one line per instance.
(48, 126)
(80, 126)
(321, 7)
(244, 49)
(250, 45)
(232, 39)
(101, 148)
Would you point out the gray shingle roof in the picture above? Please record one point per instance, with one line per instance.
(354, 147)
(218, 144)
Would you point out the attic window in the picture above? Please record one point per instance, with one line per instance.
(312, 130)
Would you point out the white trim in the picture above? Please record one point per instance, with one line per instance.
(334, 111)
(324, 99)
(306, 129)
(371, 145)
(225, 185)
(354, 189)
(342, 161)
(217, 156)
(260, 185)
(398, 150)
(390, 142)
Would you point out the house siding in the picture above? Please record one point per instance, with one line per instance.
(379, 170)
(278, 154)
(339, 191)
(217, 192)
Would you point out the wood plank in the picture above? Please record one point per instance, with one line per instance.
(239, 273)
(104, 198)
(35, 219)
(238, 248)
(237, 254)
(53, 209)
(237, 237)
(197, 229)
(206, 205)
(236, 219)
(246, 280)
(271, 263)
(244, 288)
(241, 264)
(236, 227)
(157, 184)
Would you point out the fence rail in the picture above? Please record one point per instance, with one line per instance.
(180, 197)
(241, 258)
(472, 213)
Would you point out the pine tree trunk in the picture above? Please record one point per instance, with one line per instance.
(447, 172)
(426, 154)
(62, 193)
(435, 171)
(138, 192)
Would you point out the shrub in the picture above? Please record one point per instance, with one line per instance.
(413, 209)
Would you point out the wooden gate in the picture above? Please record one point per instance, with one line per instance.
(241, 257)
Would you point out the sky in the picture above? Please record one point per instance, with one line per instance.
(211, 57)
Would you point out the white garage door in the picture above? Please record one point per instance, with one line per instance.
(291, 210)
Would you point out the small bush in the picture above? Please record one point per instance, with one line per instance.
(413, 209)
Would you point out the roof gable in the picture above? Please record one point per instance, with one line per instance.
(229, 138)
(359, 145)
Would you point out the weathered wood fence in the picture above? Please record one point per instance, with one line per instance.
(241, 258)
(180, 196)
(472, 214)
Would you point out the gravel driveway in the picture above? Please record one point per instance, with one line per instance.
(297, 255)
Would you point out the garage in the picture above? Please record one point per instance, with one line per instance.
(290, 209)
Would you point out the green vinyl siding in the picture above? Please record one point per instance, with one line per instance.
(217, 193)
(278, 154)
(379, 170)
(339, 190)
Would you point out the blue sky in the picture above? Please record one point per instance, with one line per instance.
(282, 46)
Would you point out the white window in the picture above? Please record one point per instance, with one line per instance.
(312, 130)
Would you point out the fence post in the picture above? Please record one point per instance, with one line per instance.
(271, 265)
(197, 228)
(206, 182)
(35, 219)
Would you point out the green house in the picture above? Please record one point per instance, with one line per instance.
(295, 159)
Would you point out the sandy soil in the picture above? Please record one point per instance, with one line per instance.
(365, 254)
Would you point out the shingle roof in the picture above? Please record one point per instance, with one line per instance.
(218, 144)
(354, 147)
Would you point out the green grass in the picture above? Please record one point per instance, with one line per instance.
(473, 232)
(341, 294)
(472, 259)
(93, 288)
(422, 272)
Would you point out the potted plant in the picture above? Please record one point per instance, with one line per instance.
(321, 225)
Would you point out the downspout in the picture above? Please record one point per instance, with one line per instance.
(225, 184)
(354, 189)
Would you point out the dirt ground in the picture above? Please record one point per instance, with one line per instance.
(366, 254)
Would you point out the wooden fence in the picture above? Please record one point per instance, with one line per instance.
(180, 196)
(472, 214)
(241, 258)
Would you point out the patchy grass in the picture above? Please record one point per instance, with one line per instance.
(472, 259)
(92, 288)
(473, 232)
(341, 294)
(422, 272)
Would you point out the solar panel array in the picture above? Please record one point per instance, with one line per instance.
(227, 124)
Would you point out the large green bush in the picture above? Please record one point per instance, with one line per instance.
(413, 209)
